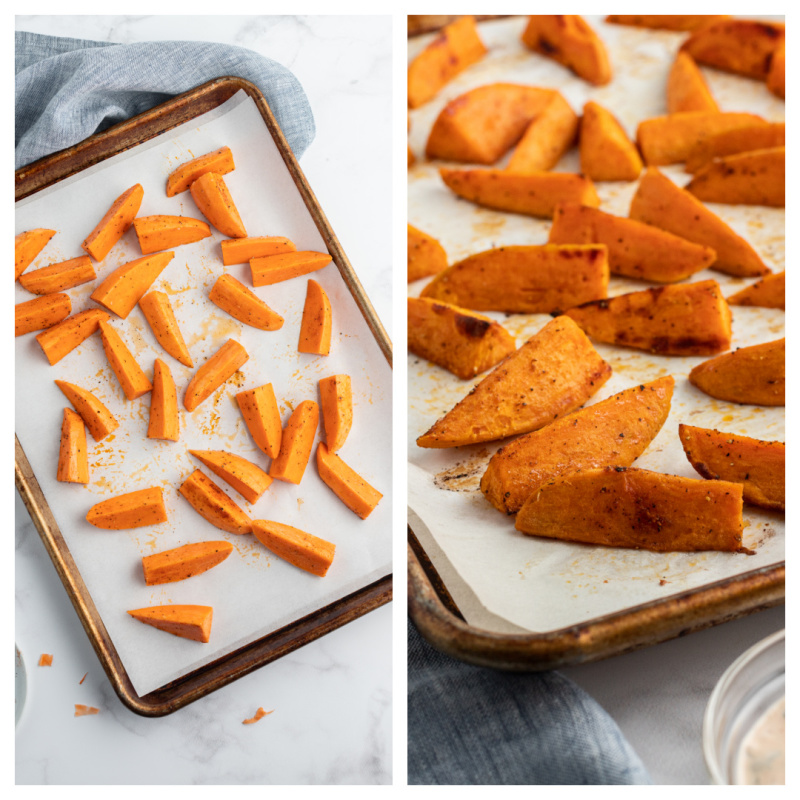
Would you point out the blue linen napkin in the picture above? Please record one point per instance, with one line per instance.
(68, 89)
(471, 725)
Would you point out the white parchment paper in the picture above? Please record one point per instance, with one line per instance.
(253, 592)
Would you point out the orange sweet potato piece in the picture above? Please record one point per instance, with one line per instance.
(164, 419)
(188, 622)
(82, 710)
(759, 466)
(658, 201)
(570, 40)
(212, 197)
(315, 328)
(668, 22)
(296, 443)
(464, 342)
(114, 223)
(525, 279)
(244, 476)
(40, 313)
(233, 297)
(739, 140)
(158, 312)
(131, 510)
(181, 178)
(263, 419)
(607, 154)
(46, 660)
(163, 232)
(130, 375)
(267, 270)
(240, 251)
(211, 503)
(776, 78)
(184, 562)
(755, 374)
(457, 46)
(425, 255)
(125, 286)
(613, 432)
(769, 292)
(63, 338)
(97, 418)
(346, 483)
(59, 277)
(73, 461)
(303, 550)
(687, 89)
(27, 246)
(336, 402)
(637, 508)
(216, 370)
(520, 394)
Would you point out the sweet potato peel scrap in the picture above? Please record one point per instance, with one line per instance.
(259, 715)
(82, 679)
(82, 710)
(45, 660)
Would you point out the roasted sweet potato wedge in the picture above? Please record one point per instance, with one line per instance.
(188, 622)
(249, 480)
(164, 420)
(130, 375)
(59, 277)
(213, 373)
(667, 22)
(184, 562)
(182, 177)
(126, 285)
(336, 404)
(41, 313)
(158, 312)
(303, 550)
(131, 510)
(28, 245)
(687, 89)
(769, 292)
(607, 154)
(114, 223)
(211, 503)
(739, 140)
(263, 419)
(358, 495)
(163, 232)
(62, 338)
(776, 78)
(73, 462)
(98, 419)
(233, 297)
(425, 255)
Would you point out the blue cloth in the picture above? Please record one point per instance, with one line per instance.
(471, 725)
(68, 89)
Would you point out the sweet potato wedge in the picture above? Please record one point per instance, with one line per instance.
(613, 432)
(211, 503)
(240, 251)
(164, 419)
(296, 443)
(40, 313)
(213, 373)
(769, 292)
(233, 297)
(759, 466)
(303, 550)
(755, 375)
(267, 270)
(457, 46)
(687, 89)
(130, 375)
(59, 277)
(607, 154)
(73, 461)
(637, 508)
(184, 562)
(522, 394)
(114, 223)
(738, 140)
(346, 483)
(163, 232)
(158, 312)
(336, 404)
(667, 22)
(188, 622)
(28, 245)
(244, 476)
(315, 328)
(97, 418)
(464, 342)
(425, 255)
(658, 201)
(212, 197)
(526, 279)
(776, 77)
(61, 339)
(263, 419)
(126, 285)
(182, 177)
(131, 510)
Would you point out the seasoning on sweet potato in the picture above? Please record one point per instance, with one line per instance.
(260, 714)
(249, 480)
(61, 339)
(59, 277)
(188, 622)
(336, 404)
(267, 270)
(687, 89)
(296, 443)
(759, 466)
(739, 140)
(163, 232)
(667, 22)
(125, 286)
(535, 194)
(40, 313)
(552, 374)
(464, 342)
(164, 418)
(263, 418)
(457, 46)
(620, 507)
(184, 562)
(158, 312)
(607, 154)
(211, 503)
(425, 255)
(303, 550)
(613, 432)
(181, 178)
(97, 418)
(240, 251)
(82, 710)
(28, 245)
(114, 223)
(658, 201)
(315, 328)
(683, 319)
(213, 198)
(358, 495)
(525, 279)
(769, 292)
(131, 510)
(130, 375)
(776, 78)
(233, 297)
(73, 461)
(213, 373)
(755, 374)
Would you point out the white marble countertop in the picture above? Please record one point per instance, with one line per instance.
(332, 720)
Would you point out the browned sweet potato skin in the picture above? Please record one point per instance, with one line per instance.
(769, 292)
(759, 466)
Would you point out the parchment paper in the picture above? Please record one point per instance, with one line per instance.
(253, 592)
(505, 581)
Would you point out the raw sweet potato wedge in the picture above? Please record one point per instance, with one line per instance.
(59, 277)
(755, 374)
(126, 285)
(613, 432)
(114, 223)
(158, 312)
(184, 562)
(211, 375)
(40, 313)
(667, 22)
(130, 375)
(759, 466)
(63, 338)
(236, 299)
(303, 550)
(682, 319)
(244, 476)
(240, 251)
(425, 255)
(188, 622)
(163, 232)
(687, 89)
(98, 419)
(457, 46)
(131, 510)
(296, 443)
(637, 508)
(346, 483)
(525, 279)
(73, 461)
(607, 154)
(28, 245)
(212, 197)
(535, 194)
(211, 503)
(267, 270)
(181, 178)
(738, 140)
(164, 418)
(263, 418)
(336, 404)
(464, 342)
(658, 201)
(315, 328)
(552, 374)
(769, 292)
(776, 78)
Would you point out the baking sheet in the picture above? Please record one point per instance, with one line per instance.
(253, 592)
(502, 580)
